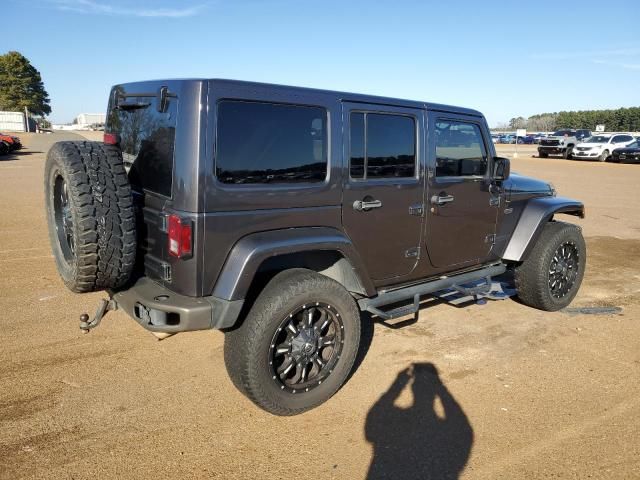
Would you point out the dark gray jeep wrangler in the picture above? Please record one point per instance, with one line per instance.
(279, 214)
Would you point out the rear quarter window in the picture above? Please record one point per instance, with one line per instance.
(259, 143)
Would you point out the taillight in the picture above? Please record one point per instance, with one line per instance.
(110, 138)
(180, 237)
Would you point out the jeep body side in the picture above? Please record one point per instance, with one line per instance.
(277, 213)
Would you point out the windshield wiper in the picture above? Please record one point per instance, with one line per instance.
(132, 106)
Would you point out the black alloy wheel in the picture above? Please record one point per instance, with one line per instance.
(563, 270)
(306, 347)
(64, 219)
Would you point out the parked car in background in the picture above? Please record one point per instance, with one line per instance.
(4, 148)
(562, 142)
(528, 140)
(537, 137)
(13, 141)
(508, 138)
(495, 138)
(628, 154)
(599, 147)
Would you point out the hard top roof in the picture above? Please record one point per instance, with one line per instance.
(345, 96)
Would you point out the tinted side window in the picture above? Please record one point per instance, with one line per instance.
(270, 143)
(391, 146)
(460, 150)
(382, 146)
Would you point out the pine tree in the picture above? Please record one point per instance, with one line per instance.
(21, 85)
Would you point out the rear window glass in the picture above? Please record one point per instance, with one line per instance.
(270, 143)
(147, 139)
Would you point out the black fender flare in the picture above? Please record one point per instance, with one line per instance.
(535, 215)
(251, 251)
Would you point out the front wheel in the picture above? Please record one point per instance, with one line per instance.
(568, 153)
(551, 275)
(297, 344)
(603, 156)
(542, 154)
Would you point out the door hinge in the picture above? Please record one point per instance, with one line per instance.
(417, 210)
(491, 239)
(412, 253)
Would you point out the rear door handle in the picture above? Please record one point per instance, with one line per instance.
(442, 199)
(363, 206)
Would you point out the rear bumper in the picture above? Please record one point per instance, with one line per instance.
(159, 309)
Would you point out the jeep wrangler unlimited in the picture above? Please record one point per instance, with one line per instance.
(279, 214)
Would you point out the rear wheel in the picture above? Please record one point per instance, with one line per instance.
(551, 275)
(297, 345)
(90, 215)
(603, 156)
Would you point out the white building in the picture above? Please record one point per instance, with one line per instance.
(12, 122)
(86, 119)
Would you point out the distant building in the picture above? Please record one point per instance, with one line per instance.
(12, 122)
(86, 119)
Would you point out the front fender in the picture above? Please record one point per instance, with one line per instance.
(535, 215)
(251, 251)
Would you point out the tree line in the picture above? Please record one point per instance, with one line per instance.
(618, 120)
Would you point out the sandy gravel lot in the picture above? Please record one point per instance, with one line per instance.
(499, 391)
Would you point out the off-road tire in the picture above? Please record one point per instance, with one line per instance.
(4, 148)
(532, 276)
(542, 154)
(568, 153)
(101, 208)
(246, 348)
(603, 156)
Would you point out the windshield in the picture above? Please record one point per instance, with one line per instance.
(635, 144)
(598, 139)
(562, 133)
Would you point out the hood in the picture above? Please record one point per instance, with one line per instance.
(592, 144)
(519, 185)
(627, 150)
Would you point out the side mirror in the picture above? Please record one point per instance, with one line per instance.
(501, 168)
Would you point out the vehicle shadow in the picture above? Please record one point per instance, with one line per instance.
(16, 154)
(423, 441)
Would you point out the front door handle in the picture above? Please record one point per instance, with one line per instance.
(442, 199)
(364, 206)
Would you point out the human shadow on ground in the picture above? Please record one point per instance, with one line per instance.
(423, 441)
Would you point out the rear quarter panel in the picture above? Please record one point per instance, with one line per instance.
(234, 211)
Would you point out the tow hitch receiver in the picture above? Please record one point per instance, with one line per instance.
(104, 307)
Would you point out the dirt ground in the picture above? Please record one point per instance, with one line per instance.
(496, 391)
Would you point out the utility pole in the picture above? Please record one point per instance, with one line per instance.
(26, 118)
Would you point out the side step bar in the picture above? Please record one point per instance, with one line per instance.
(372, 305)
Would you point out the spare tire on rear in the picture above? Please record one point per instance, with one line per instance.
(90, 215)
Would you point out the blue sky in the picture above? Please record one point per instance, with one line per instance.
(504, 58)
